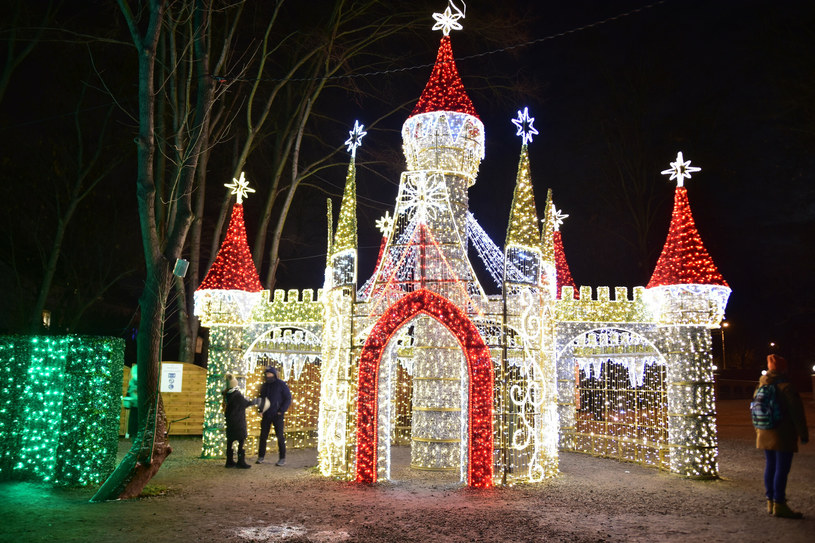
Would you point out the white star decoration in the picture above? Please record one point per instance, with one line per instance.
(385, 224)
(524, 124)
(448, 21)
(558, 217)
(355, 138)
(240, 187)
(680, 169)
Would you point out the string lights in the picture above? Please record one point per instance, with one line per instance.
(486, 387)
(444, 90)
(684, 259)
(60, 400)
(480, 389)
(564, 274)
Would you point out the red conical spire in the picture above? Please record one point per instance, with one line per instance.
(233, 268)
(564, 275)
(444, 91)
(684, 259)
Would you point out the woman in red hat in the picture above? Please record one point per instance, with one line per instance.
(781, 441)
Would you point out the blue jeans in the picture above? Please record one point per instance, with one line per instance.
(775, 474)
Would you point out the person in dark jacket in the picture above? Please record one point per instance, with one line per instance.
(781, 442)
(274, 400)
(235, 412)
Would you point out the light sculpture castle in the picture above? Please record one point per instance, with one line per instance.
(489, 387)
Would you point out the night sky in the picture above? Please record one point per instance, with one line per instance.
(730, 83)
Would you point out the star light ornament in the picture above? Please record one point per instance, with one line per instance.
(524, 124)
(558, 217)
(240, 187)
(448, 21)
(385, 224)
(355, 138)
(680, 169)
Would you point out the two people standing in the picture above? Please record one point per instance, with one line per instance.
(781, 441)
(273, 402)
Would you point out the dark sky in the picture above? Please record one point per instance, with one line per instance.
(730, 83)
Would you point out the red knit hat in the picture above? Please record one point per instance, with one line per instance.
(776, 363)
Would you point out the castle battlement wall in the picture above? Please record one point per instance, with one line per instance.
(601, 308)
(289, 306)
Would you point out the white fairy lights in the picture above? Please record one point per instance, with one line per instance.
(680, 169)
(448, 20)
(484, 387)
(524, 125)
(355, 138)
(240, 187)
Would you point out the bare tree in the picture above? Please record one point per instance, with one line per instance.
(18, 44)
(165, 219)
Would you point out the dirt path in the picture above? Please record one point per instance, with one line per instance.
(592, 500)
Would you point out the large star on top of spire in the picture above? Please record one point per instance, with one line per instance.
(355, 138)
(524, 124)
(680, 169)
(240, 187)
(448, 20)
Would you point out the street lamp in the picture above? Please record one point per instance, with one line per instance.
(725, 324)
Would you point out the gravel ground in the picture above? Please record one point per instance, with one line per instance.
(592, 500)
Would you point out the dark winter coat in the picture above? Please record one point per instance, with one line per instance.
(235, 411)
(278, 394)
(793, 424)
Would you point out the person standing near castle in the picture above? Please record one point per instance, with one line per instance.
(235, 413)
(274, 400)
(781, 442)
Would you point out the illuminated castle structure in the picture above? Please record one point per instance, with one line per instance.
(488, 387)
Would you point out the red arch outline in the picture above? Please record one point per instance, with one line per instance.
(481, 380)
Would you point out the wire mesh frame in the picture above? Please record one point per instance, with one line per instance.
(613, 398)
(616, 420)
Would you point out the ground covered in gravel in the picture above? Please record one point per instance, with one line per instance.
(592, 500)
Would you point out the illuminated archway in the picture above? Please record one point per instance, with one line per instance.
(479, 367)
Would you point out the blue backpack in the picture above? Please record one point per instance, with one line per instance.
(765, 409)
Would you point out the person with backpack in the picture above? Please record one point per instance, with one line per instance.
(779, 418)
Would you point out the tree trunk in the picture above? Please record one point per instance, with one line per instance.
(147, 454)
(185, 347)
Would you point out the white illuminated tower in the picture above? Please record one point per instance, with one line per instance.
(688, 296)
(443, 143)
(425, 251)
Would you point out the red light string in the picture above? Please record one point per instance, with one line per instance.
(233, 268)
(684, 259)
(481, 378)
(444, 90)
(564, 275)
